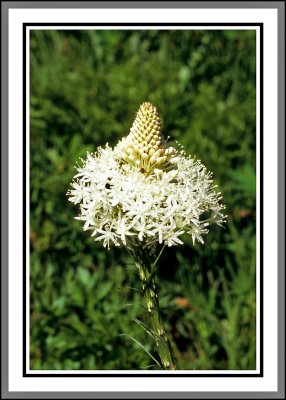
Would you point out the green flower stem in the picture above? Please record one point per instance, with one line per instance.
(147, 275)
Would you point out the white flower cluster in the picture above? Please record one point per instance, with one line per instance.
(121, 203)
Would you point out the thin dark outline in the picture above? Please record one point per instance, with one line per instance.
(136, 375)
(132, 1)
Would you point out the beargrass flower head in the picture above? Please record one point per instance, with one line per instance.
(144, 190)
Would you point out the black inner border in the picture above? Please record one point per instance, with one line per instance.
(137, 375)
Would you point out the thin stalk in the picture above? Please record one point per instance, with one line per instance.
(147, 272)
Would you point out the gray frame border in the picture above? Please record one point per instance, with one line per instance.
(280, 6)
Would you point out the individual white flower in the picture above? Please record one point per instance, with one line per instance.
(107, 235)
(145, 190)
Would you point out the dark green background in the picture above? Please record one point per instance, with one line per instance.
(85, 89)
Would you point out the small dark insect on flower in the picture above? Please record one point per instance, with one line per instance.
(142, 170)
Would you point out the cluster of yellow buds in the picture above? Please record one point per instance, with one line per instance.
(145, 146)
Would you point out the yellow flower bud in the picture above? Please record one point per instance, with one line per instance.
(145, 147)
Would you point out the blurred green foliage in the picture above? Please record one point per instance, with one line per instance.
(85, 87)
